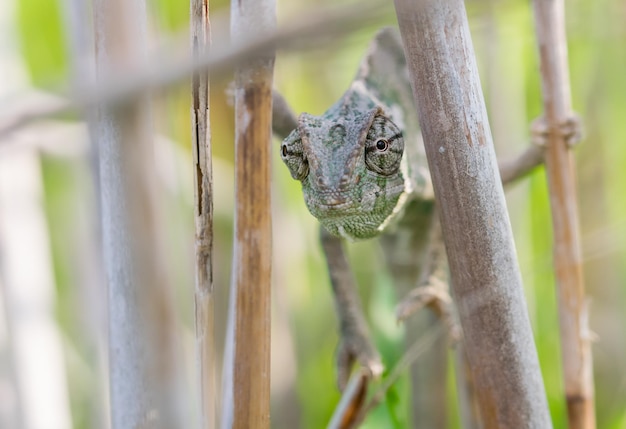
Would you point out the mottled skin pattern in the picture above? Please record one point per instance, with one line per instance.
(356, 174)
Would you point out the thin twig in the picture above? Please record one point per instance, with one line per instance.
(518, 167)
(350, 405)
(308, 30)
(409, 357)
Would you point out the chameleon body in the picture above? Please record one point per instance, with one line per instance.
(363, 170)
(363, 159)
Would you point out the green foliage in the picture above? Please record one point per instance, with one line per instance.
(172, 14)
(42, 40)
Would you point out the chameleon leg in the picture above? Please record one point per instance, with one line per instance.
(355, 342)
(432, 288)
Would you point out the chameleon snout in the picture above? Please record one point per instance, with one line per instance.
(333, 204)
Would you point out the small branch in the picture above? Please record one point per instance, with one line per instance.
(573, 317)
(426, 341)
(514, 169)
(351, 405)
(310, 29)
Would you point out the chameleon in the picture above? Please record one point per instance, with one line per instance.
(363, 170)
(355, 172)
(364, 174)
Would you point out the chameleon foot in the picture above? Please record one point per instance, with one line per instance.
(435, 295)
(570, 129)
(356, 348)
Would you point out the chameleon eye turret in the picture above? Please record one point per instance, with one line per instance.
(384, 147)
(292, 153)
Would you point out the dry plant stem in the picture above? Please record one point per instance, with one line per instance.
(203, 202)
(575, 338)
(485, 277)
(521, 165)
(352, 401)
(249, 405)
(310, 29)
(411, 355)
(143, 372)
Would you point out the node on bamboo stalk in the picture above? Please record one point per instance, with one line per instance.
(560, 128)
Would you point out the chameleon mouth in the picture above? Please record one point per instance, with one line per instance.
(342, 207)
(331, 205)
(337, 210)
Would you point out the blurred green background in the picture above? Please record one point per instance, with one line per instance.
(304, 326)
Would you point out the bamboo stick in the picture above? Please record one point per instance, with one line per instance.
(561, 125)
(247, 404)
(203, 201)
(485, 276)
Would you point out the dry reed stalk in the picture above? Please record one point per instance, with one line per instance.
(485, 276)
(562, 126)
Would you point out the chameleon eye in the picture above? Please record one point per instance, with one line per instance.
(292, 154)
(384, 147)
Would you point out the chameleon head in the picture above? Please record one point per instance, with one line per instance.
(349, 167)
